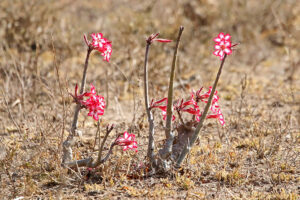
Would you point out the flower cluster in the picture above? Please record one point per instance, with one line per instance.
(192, 106)
(223, 45)
(127, 141)
(95, 103)
(215, 108)
(102, 45)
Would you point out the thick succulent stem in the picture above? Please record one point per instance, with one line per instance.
(193, 139)
(166, 151)
(151, 146)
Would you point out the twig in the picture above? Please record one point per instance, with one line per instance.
(166, 151)
(188, 146)
(108, 130)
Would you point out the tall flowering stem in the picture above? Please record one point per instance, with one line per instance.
(166, 151)
(191, 142)
(104, 47)
(83, 81)
(151, 145)
(70, 141)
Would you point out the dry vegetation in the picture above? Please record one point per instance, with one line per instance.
(257, 154)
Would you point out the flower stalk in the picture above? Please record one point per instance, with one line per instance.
(82, 88)
(193, 139)
(104, 47)
(71, 139)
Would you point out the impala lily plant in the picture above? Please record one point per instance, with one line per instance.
(96, 105)
(172, 152)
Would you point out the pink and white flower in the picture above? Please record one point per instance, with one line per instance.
(215, 108)
(95, 103)
(98, 40)
(102, 45)
(127, 141)
(223, 45)
(107, 52)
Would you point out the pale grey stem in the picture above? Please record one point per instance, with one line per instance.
(189, 144)
(71, 140)
(166, 151)
(78, 106)
(151, 146)
(88, 162)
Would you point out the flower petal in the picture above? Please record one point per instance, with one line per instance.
(221, 35)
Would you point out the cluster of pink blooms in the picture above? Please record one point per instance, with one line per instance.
(102, 44)
(191, 106)
(223, 45)
(95, 103)
(127, 141)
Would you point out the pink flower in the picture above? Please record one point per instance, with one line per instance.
(102, 45)
(107, 52)
(203, 97)
(98, 40)
(127, 141)
(215, 108)
(223, 45)
(189, 106)
(92, 93)
(95, 103)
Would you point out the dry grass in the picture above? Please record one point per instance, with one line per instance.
(256, 156)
